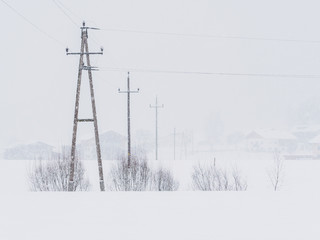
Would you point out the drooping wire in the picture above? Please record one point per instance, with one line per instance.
(61, 6)
(267, 75)
(210, 36)
(32, 24)
(174, 34)
(79, 18)
(64, 10)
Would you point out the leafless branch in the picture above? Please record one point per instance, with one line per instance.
(53, 174)
(207, 177)
(276, 173)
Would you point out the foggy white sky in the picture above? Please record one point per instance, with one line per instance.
(38, 81)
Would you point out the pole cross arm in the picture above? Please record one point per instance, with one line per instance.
(91, 68)
(84, 27)
(157, 106)
(137, 91)
(92, 28)
(85, 53)
(85, 120)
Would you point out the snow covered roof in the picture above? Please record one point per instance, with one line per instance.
(316, 139)
(271, 134)
(306, 128)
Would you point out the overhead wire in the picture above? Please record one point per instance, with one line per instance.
(32, 24)
(61, 6)
(205, 36)
(70, 11)
(63, 9)
(267, 75)
(210, 36)
(235, 37)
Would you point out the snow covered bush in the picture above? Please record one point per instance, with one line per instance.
(163, 180)
(207, 177)
(53, 175)
(139, 176)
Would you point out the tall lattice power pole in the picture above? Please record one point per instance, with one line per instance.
(84, 51)
(156, 106)
(128, 92)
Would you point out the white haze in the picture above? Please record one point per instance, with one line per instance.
(38, 81)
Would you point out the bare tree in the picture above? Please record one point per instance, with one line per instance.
(207, 177)
(53, 174)
(163, 180)
(276, 173)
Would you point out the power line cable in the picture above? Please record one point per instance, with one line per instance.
(60, 6)
(268, 75)
(64, 10)
(190, 34)
(79, 18)
(176, 34)
(31, 23)
(210, 36)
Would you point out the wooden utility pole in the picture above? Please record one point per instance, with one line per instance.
(84, 50)
(174, 144)
(128, 92)
(156, 106)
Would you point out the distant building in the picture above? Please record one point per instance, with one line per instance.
(113, 146)
(305, 133)
(271, 140)
(38, 150)
(315, 143)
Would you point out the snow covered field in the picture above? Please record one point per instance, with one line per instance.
(179, 215)
(259, 213)
(299, 175)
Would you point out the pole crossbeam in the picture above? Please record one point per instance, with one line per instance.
(84, 51)
(156, 106)
(85, 120)
(88, 53)
(128, 92)
(90, 68)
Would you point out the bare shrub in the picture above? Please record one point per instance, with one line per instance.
(139, 176)
(53, 174)
(239, 184)
(136, 177)
(276, 172)
(207, 177)
(163, 180)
